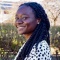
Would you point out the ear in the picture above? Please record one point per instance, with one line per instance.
(38, 21)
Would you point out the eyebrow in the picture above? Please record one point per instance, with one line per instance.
(20, 15)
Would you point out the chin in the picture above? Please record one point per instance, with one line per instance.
(21, 33)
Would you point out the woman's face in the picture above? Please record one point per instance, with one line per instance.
(25, 20)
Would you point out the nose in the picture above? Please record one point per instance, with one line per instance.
(18, 22)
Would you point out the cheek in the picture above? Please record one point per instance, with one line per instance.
(31, 25)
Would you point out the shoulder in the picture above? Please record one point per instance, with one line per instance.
(43, 47)
(42, 51)
(43, 44)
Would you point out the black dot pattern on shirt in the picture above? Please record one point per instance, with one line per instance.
(42, 53)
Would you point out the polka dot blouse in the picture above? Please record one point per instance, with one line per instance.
(42, 52)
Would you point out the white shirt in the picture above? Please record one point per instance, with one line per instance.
(42, 52)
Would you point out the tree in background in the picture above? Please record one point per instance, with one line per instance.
(52, 8)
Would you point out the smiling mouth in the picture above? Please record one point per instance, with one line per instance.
(20, 27)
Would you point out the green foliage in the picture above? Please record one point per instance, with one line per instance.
(55, 36)
(9, 38)
(11, 41)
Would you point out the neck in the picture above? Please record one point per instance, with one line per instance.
(27, 36)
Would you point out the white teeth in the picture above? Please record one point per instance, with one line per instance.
(20, 28)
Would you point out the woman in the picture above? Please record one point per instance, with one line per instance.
(32, 22)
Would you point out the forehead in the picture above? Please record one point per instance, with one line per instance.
(26, 10)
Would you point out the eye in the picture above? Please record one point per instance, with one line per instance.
(24, 18)
(16, 18)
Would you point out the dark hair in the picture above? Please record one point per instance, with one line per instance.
(40, 33)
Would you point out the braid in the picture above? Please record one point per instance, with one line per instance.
(40, 33)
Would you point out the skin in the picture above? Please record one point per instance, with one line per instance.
(25, 21)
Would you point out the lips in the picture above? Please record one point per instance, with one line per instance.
(20, 27)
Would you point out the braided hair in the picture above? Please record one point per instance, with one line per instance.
(41, 31)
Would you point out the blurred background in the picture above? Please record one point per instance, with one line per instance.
(10, 41)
